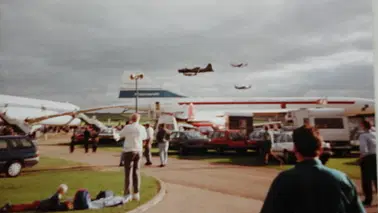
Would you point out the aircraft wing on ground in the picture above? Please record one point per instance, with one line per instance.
(76, 113)
(21, 108)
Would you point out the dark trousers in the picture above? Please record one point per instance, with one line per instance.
(132, 165)
(72, 146)
(86, 145)
(147, 153)
(368, 176)
(94, 146)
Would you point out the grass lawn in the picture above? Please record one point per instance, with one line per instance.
(35, 186)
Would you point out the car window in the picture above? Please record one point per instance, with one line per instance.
(21, 144)
(281, 139)
(235, 136)
(289, 138)
(174, 135)
(222, 134)
(3, 144)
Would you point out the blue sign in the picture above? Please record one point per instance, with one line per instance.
(148, 94)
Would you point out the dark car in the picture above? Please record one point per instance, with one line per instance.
(17, 152)
(186, 141)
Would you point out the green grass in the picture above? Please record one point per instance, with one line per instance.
(46, 162)
(40, 185)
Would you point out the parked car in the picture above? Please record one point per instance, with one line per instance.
(187, 141)
(17, 152)
(284, 147)
(222, 140)
(256, 138)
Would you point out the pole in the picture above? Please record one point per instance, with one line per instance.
(136, 95)
(375, 59)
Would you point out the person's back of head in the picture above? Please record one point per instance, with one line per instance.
(366, 125)
(306, 143)
(306, 122)
(266, 128)
(134, 118)
(161, 126)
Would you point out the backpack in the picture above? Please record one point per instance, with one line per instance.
(104, 194)
(82, 199)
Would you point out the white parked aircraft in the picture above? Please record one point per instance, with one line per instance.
(170, 101)
(21, 108)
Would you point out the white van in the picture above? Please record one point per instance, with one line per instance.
(332, 123)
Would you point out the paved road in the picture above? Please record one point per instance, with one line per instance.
(192, 186)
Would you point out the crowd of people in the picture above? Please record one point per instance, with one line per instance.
(90, 136)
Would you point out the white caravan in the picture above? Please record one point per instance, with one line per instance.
(332, 123)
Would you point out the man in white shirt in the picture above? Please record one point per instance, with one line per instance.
(134, 135)
(368, 161)
(148, 144)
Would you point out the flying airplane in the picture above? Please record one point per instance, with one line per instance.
(194, 71)
(239, 65)
(243, 87)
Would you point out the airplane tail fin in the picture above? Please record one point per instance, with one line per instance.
(209, 67)
(146, 88)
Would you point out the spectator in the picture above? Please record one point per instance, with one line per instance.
(87, 136)
(311, 187)
(368, 161)
(121, 163)
(134, 135)
(51, 204)
(267, 146)
(148, 144)
(162, 138)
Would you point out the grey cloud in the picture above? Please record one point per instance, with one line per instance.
(53, 49)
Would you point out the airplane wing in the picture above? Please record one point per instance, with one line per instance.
(75, 113)
(236, 65)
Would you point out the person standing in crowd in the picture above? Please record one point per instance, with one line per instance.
(368, 161)
(162, 139)
(121, 161)
(95, 140)
(148, 144)
(267, 146)
(134, 135)
(310, 186)
(87, 136)
(306, 125)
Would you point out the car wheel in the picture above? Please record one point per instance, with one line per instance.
(183, 151)
(14, 169)
(288, 157)
(220, 150)
(241, 151)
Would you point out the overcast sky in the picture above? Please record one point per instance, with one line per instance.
(77, 50)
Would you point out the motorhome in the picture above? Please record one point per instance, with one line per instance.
(332, 124)
(239, 121)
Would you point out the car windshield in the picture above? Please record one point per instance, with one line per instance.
(194, 135)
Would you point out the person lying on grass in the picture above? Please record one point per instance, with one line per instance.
(52, 203)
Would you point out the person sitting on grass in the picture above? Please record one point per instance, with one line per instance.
(51, 204)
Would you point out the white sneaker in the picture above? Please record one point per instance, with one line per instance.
(136, 197)
(127, 198)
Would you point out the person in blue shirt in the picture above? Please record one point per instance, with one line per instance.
(311, 187)
(368, 161)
